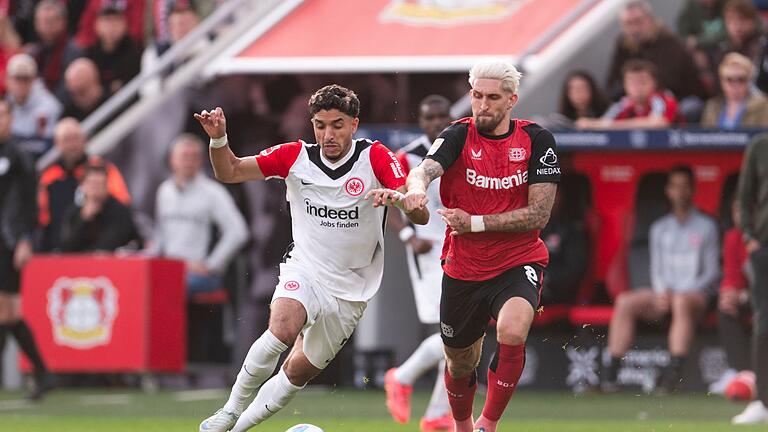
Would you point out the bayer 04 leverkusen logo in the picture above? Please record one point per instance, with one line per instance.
(354, 187)
(449, 12)
(82, 311)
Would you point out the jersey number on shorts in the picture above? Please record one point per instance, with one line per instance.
(530, 272)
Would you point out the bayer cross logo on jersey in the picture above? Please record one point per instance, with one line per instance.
(354, 186)
(516, 154)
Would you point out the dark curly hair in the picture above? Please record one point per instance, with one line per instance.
(337, 97)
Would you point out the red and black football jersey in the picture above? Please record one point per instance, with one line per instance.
(490, 175)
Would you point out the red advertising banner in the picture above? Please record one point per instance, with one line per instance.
(106, 314)
(348, 35)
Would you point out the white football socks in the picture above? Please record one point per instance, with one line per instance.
(438, 403)
(273, 396)
(258, 366)
(426, 357)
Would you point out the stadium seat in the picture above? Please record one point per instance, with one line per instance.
(598, 315)
(220, 296)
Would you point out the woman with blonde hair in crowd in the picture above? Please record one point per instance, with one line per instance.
(741, 104)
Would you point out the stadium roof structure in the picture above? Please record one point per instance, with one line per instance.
(319, 36)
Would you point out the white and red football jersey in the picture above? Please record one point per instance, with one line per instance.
(410, 157)
(338, 236)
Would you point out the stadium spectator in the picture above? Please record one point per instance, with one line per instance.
(35, 109)
(133, 20)
(753, 204)
(84, 90)
(182, 19)
(741, 104)
(10, 45)
(685, 266)
(54, 50)
(162, 9)
(700, 22)
(733, 303)
(495, 274)
(568, 246)
(580, 98)
(21, 13)
(326, 281)
(644, 37)
(645, 105)
(100, 222)
(17, 216)
(189, 205)
(116, 55)
(58, 185)
(743, 34)
(423, 247)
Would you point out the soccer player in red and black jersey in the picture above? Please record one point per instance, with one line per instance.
(498, 182)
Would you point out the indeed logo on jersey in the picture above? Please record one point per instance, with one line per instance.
(339, 218)
(508, 182)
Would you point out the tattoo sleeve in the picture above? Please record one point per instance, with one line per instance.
(535, 216)
(421, 176)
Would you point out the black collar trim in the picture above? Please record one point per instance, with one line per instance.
(313, 151)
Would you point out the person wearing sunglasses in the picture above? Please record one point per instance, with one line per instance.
(741, 105)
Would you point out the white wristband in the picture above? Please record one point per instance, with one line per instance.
(476, 224)
(218, 142)
(406, 234)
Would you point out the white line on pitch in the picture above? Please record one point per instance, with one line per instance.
(199, 395)
(113, 399)
(14, 404)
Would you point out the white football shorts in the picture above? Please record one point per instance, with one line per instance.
(330, 320)
(426, 280)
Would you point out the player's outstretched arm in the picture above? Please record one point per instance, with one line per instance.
(384, 197)
(227, 167)
(417, 183)
(541, 197)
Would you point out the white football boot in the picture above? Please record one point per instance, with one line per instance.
(755, 413)
(220, 421)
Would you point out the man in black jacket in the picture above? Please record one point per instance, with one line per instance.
(17, 223)
(101, 223)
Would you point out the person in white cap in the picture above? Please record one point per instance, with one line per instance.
(35, 110)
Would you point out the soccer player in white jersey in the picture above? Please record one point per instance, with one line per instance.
(424, 244)
(337, 190)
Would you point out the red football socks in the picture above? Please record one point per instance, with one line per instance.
(503, 376)
(461, 394)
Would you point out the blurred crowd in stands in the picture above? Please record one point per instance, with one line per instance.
(712, 73)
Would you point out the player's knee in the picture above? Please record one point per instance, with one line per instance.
(623, 303)
(300, 371)
(511, 334)
(459, 369)
(461, 362)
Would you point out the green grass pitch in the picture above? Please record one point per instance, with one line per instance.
(341, 411)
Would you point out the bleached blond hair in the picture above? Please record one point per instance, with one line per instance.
(495, 68)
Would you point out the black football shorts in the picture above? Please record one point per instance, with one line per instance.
(9, 276)
(466, 307)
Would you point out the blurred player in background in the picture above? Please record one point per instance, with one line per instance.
(336, 262)
(17, 224)
(499, 180)
(423, 247)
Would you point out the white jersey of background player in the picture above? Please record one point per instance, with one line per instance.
(336, 190)
(424, 244)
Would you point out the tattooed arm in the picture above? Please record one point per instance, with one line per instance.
(535, 216)
(418, 181)
(541, 196)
